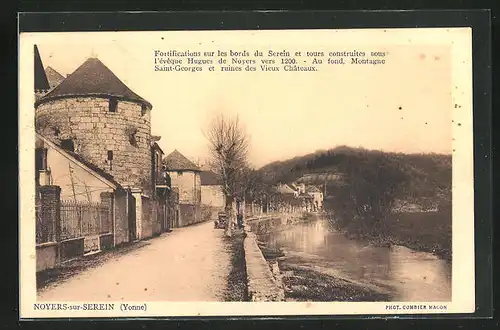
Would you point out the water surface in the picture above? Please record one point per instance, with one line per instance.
(410, 275)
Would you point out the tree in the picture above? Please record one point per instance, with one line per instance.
(373, 182)
(228, 144)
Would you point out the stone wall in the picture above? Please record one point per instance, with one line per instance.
(262, 285)
(264, 224)
(95, 131)
(263, 279)
(173, 208)
(187, 214)
(121, 218)
(146, 218)
(210, 213)
(47, 256)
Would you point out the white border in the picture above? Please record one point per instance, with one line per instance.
(460, 42)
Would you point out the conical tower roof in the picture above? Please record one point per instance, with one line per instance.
(93, 78)
(54, 77)
(41, 82)
(176, 161)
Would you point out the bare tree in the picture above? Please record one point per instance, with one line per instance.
(228, 145)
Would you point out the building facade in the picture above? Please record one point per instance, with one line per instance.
(213, 199)
(317, 196)
(78, 179)
(185, 177)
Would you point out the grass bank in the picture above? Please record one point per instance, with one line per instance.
(236, 289)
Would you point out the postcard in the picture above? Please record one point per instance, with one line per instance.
(246, 173)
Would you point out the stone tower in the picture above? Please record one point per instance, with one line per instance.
(93, 113)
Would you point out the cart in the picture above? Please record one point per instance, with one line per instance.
(221, 221)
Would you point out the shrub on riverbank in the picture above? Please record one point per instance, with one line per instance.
(422, 231)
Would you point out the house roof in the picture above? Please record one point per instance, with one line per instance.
(312, 189)
(155, 145)
(209, 178)
(78, 159)
(285, 189)
(176, 161)
(41, 82)
(93, 78)
(54, 77)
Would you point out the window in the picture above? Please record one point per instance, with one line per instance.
(144, 109)
(41, 159)
(68, 145)
(158, 165)
(110, 159)
(113, 103)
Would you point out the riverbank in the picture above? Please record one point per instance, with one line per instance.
(306, 281)
(421, 231)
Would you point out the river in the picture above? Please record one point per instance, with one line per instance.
(397, 273)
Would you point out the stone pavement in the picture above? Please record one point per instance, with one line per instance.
(188, 264)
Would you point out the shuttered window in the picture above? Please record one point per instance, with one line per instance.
(41, 159)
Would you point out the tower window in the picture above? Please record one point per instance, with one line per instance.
(110, 159)
(144, 109)
(68, 145)
(113, 103)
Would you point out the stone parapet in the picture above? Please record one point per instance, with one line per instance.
(262, 286)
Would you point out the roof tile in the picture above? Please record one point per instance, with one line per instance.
(93, 78)
(209, 178)
(176, 161)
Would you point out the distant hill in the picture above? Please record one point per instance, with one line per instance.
(429, 174)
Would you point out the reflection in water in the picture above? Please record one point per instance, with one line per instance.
(414, 276)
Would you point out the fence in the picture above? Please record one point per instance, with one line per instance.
(84, 219)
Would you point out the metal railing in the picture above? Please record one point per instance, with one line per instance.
(84, 219)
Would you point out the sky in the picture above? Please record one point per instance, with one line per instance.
(404, 105)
